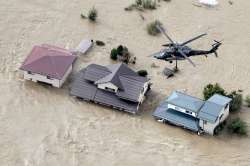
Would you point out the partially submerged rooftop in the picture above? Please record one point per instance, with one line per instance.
(48, 60)
(129, 83)
(206, 110)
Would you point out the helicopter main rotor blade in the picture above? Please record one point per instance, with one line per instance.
(162, 30)
(193, 39)
(186, 57)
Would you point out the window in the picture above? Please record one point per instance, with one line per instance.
(189, 112)
(226, 107)
(48, 77)
(221, 116)
(109, 89)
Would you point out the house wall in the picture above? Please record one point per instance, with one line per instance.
(54, 82)
(38, 77)
(225, 113)
(183, 110)
(66, 75)
(209, 127)
(108, 85)
(142, 95)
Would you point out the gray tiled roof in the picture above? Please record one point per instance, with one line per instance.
(82, 87)
(185, 101)
(126, 98)
(116, 70)
(132, 88)
(95, 72)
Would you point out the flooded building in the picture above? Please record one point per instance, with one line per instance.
(192, 113)
(115, 85)
(48, 64)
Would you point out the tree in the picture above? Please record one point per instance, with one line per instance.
(142, 73)
(92, 15)
(248, 100)
(211, 89)
(113, 54)
(237, 126)
(236, 102)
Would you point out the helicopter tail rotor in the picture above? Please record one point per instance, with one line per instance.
(215, 46)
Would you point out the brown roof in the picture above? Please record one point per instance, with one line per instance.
(48, 60)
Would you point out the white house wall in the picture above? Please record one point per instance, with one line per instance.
(66, 75)
(54, 82)
(142, 95)
(37, 77)
(225, 114)
(171, 106)
(209, 127)
(108, 85)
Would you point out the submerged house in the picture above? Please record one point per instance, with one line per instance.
(115, 85)
(192, 113)
(48, 64)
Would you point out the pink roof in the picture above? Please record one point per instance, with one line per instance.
(49, 61)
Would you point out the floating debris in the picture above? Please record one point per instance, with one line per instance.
(209, 2)
(84, 46)
(153, 65)
(99, 43)
(168, 72)
(230, 2)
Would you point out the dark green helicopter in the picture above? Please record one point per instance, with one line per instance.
(176, 51)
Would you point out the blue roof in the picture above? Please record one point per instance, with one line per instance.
(177, 118)
(220, 100)
(212, 108)
(210, 112)
(185, 101)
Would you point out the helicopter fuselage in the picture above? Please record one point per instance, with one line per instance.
(172, 53)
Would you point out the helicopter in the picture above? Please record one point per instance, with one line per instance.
(179, 51)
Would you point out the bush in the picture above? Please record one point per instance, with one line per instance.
(149, 4)
(100, 43)
(113, 54)
(219, 128)
(120, 50)
(237, 126)
(120, 53)
(138, 2)
(152, 28)
(236, 97)
(236, 102)
(83, 16)
(247, 100)
(142, 73)
(211, 89)
(92, 15)
(142, 4)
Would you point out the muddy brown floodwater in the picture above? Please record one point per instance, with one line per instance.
(44, 126)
